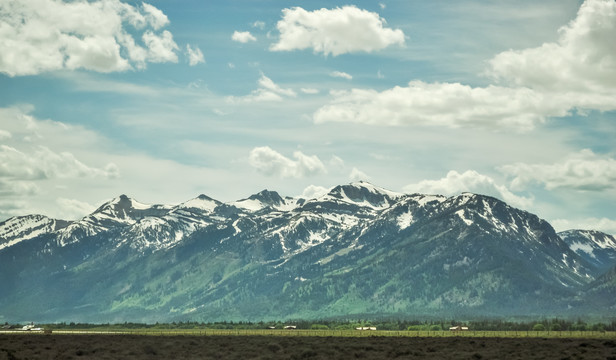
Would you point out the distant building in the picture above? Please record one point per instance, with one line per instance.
(366, 328)
(290, 327)
(458, 328)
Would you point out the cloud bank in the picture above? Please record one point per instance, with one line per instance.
(45, 35)
(31, 162)
(580, 171)
(469, 181)
(578, 72)
(441, 104)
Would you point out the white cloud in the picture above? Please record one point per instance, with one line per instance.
(310, 91)
(314, 191)
(155, 17)
(48, 35)
(605, 225)
(576, 72)
(469, 181)
(161, 48)
(268, 91)
(334, 31)
(358, 175)
(195, 56)
(72, 209)
(268, 84)
(10, 187)
(258, 25)
(341, 74)
(582, 61)
(243, 36)
(42, 163)
(444, 104)
(581, 171)
(271, 163)
(39, 158)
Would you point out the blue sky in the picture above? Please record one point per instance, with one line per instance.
(165, 100)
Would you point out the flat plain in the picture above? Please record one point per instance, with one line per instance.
(125, 346)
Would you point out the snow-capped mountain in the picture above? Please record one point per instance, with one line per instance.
(595, 247)
(359, 249)
(17, 229)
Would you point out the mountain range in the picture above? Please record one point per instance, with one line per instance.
(358, 251)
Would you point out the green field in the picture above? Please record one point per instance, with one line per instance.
(332, 333)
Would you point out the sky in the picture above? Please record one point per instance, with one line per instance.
(165, 100)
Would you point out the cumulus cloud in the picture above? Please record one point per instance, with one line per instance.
(341, 74)
(358, 175)
(314, 191)
(582, 60)
(161, 48)
(578, 72)
(584, 170)
(442, 104)
(29, 158)
(268, 91)
(47, 35)
(334, 31)
(271, 163)
(469, 181)
(155, 17)
(195, 56)
(243, 36)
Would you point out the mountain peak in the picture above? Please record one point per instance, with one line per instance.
(268, 197)
(596, 247)
(201, 202)
(121, 207)
(364, 194)
(262, 200)
(600, 239)
(438, 249)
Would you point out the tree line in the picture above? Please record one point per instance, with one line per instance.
(392, 325)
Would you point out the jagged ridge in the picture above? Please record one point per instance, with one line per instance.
(359, 249)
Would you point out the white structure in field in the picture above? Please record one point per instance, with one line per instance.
(458, 328)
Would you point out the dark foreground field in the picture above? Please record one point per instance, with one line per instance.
(271, 347)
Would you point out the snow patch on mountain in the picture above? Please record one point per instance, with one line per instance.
(423, 200)
(404, 220)
(18, 229)
(201, 202)
(587, 248)
(461, 214)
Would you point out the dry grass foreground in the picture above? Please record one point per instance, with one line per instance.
(272, 347)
